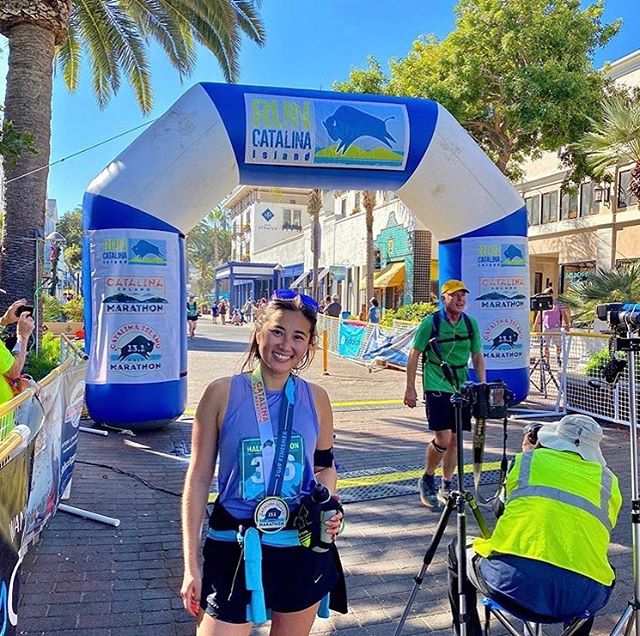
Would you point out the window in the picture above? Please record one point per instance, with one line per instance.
(291, 219)
(537, 282)
(550, 207)
(569, 206)
(356, 205)
(625, 198)
(587, 205)
(343, 206)
(533, 209)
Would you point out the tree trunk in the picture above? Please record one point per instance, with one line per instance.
(315, 233)
(369, 202)
(314, 204)
(28, 105)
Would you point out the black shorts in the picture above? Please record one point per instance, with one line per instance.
(193, 318)
(293, 579)
(441, 414)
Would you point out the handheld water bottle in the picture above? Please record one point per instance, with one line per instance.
(321, 540)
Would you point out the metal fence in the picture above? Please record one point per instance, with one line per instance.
(15, 413)
(562, 368)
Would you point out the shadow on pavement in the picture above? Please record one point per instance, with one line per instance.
(201, 343)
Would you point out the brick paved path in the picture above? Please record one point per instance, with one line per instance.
(91, 579)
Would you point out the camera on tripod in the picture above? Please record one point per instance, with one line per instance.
(620, 315)
(489, 401)
(541, 302)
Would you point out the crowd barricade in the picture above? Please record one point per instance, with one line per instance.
(37, 452)
(563, 372)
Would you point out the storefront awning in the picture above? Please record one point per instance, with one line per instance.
(391, 276)
(299, 282)
(322, 274)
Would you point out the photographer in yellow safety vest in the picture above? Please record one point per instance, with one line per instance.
(546, 560)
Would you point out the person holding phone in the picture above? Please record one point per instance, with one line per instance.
(12, 362)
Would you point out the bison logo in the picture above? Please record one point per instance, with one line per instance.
(507, 337)
(143, 248)
(348, 124)
(140, 346)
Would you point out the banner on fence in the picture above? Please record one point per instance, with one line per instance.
(394, 348)
(14, 489)
(351, 335)
(73, 400)
(54, 447)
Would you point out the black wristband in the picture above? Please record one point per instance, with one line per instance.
(323, 458)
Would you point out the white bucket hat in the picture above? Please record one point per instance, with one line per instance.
(577, 433)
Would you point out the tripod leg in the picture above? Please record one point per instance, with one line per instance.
(625, 624)
(428, 557)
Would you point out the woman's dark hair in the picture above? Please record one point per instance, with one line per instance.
(294, 304)
(374, 302)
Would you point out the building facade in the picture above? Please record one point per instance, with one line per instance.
(271, 228)
(573, 233)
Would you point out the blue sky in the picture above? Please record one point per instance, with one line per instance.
(309, 45)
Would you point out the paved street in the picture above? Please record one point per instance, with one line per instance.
(92, 579)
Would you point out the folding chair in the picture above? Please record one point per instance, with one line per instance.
(492, 607)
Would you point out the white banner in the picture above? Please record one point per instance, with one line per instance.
(135, 292)
(494, 268)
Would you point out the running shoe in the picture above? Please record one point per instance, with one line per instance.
(428, 493)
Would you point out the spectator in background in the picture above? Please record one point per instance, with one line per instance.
(12, 362)
(324, 303)
(554, 319)
(214, 313)
(222, 310)
(374, 311)
(192, 315)
(334, 307)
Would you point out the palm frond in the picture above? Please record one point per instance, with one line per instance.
(129, 49)
(617, 138)
(157, 21)
(214, 26)
(249, 21)
(68, 57)
(95, 29)
(603, 286)
(116, 34)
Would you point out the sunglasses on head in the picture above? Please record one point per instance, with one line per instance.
(289, 294)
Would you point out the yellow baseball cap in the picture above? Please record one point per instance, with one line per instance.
(452, 286)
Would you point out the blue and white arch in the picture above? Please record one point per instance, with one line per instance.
(218, 136)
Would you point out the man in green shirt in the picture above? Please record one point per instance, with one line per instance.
(459, 338)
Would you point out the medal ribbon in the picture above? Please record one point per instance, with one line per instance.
(273, 467)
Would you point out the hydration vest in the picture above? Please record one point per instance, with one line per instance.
(436, 320)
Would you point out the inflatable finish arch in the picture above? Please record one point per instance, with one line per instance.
(218, 136)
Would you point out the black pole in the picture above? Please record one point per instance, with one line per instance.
(54, 270)
(457, 401)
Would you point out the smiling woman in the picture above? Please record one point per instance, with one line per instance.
(273, 435)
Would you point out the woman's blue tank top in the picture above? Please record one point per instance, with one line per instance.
(241, 482)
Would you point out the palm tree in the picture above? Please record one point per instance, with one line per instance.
(369, 202)
(314, 205)
(116, 35)
(616, 140)
(619, 284)
(208, 244)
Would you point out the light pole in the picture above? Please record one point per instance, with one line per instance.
(58, 242)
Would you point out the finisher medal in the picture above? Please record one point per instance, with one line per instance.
(271, 515)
